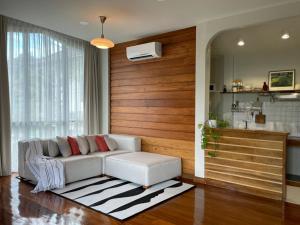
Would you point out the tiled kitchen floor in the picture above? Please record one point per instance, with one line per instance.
(293, 194)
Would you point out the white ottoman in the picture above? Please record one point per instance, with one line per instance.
(142, 167)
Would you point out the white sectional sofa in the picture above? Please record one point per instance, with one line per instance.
(127, 162)
(79, 167)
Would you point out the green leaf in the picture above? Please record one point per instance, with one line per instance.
(212, 154)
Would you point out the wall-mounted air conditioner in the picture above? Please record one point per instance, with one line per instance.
(144, 51)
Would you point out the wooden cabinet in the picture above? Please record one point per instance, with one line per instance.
(248, 161)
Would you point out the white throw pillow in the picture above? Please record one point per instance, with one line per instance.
(64, 146)
(53, 149)
(92, 143)
(111, 143)
(83, 145)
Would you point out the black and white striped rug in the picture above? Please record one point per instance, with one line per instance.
(118, 198)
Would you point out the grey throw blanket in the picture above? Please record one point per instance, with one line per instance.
(48, 172)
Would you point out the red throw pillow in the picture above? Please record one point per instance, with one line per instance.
(74, 146)
(102, 146)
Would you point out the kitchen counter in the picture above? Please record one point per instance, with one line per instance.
(255, 133)
(291, 128)
(251, 161)
(293, 141)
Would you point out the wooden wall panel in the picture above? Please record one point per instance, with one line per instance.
(183, 149)
(248, 161)
(155, 98)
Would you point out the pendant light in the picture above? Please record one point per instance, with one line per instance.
(102, 42)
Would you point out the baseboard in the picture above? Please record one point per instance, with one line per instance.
(199, 180)
(189, 178)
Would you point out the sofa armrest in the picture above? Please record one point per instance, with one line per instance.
(126, 142)
(22, 148)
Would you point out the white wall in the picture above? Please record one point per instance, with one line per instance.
(105, 90)
(217, 77)
(205, 33)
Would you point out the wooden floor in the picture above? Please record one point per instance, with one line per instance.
(202, 205)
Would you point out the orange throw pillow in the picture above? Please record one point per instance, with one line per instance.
(102, 146)
(74, 146)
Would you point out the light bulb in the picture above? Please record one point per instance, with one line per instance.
(285, 36)
(241, 43)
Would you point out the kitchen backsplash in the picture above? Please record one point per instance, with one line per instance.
(280, 116)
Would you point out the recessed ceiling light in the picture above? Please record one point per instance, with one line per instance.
(241, 43)
(285, 36)
(84, 23)
(160, 0)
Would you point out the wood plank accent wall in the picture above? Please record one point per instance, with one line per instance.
(155, 98)
(248, 161)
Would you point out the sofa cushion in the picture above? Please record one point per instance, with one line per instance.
(74, 145)
(108, 153)
(92, 143)
(127, 142)
(80, 167)
(104, 155)
(53, 148)
(102, 146)
(144, 158)
(111, 143)
(83, 145)
(64, 146)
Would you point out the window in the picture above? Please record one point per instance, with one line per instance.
(46, 78)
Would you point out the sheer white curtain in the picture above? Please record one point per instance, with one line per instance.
(46, 79)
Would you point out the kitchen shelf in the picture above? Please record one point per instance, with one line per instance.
(260, 92)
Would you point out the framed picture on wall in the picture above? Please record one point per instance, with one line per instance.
(282, 80)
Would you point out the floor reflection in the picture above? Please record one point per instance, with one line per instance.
(25, 208)
(203, 205)
(73, 217)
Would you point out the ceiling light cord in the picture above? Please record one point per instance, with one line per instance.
(102, 35)
(102, 19)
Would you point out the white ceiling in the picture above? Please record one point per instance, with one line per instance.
(127, 19)
(259, 38)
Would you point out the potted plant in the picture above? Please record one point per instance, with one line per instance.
(212, 121)
(209, 133)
